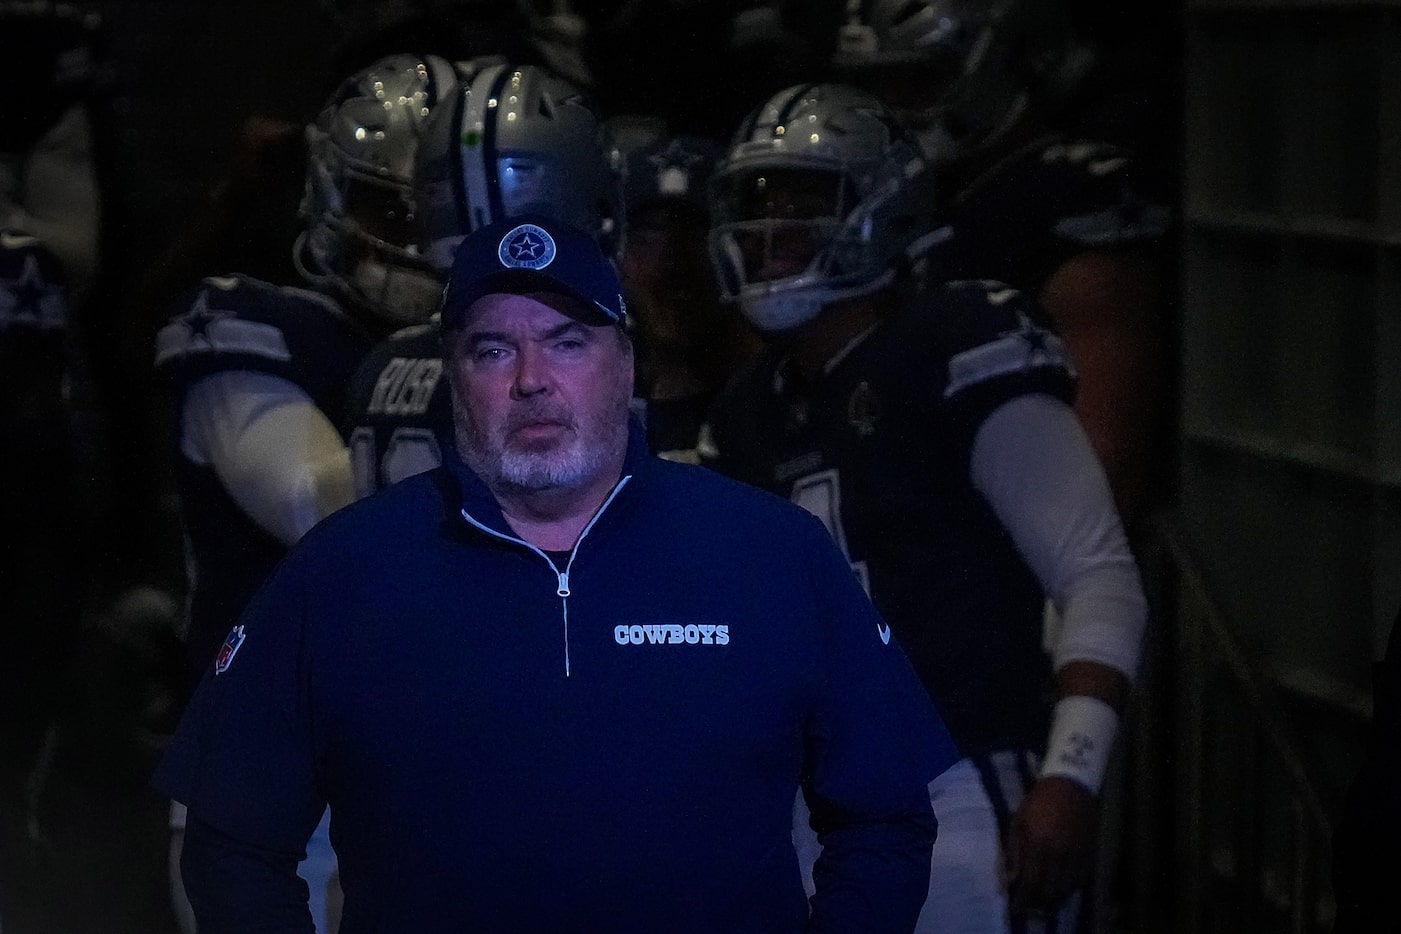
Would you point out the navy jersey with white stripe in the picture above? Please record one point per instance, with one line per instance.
(879, 448)
(230, 324)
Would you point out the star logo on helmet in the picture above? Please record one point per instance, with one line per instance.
(674, 167)
(526, 247)
(675, 156)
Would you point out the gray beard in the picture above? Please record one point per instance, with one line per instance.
(536, 472)
(573, 464)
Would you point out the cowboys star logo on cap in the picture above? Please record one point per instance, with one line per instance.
(526, 247)
(534, 252)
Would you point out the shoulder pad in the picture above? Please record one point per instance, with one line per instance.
(994, 330)
(424, 334)
(1103, 203)
(1091, 158)
(242, 317)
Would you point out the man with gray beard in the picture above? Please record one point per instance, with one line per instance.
(557, 683)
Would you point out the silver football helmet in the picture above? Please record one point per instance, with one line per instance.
(515, 140)
(960, 73)
(361, 237)
(819, 198)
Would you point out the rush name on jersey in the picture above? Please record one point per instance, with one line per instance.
(399, 414)
(878, 449)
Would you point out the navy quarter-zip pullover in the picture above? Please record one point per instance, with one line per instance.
(615, 745)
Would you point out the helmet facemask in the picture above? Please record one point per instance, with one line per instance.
(814, 204)
(786, 233)
(362, 229)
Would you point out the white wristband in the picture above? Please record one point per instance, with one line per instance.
(1082, 735)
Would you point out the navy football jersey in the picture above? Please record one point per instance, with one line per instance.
(45, 566)
(878, 448)
(674, 425)
(399, 414)
(37, 478)
(1022, 218)
(237, 323)
(33, 333)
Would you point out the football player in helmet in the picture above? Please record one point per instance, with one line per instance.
(259, 370)
(49, 177)
(961, 74)
(513, 140)
(1076, 222)
(932, 432)
(688, 343)
(361, 238)
(40, 575)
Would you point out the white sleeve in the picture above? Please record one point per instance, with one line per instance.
(1033, 463)
(54, 196)
(275, 452)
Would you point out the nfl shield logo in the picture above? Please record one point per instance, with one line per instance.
(228, 650)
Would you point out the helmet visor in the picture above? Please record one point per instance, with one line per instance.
(380, 209)
(781, 223)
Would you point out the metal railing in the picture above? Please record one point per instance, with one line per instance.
(1212, 823)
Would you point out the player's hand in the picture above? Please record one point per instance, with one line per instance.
(1049, 845)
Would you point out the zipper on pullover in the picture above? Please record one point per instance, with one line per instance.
(562, 577)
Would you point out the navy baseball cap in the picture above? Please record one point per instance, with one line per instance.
(533, 252)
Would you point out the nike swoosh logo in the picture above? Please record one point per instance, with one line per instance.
(884, 631)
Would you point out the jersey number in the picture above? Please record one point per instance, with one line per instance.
(408, 452)
(821, 495)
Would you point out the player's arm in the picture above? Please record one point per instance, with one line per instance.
(244, 762)
(874, 743)
(1106, 306)
(237, 888)
(56, 197)
(1033, 462)
(278, 455)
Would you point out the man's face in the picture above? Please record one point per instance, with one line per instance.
(540, 401)
(793, 214)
